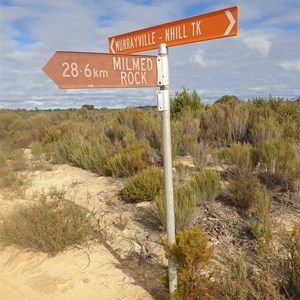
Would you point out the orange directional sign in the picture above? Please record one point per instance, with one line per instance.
(101, 70)
(218, 24)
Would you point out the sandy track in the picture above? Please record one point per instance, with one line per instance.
(91, 272)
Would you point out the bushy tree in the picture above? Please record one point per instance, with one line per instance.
(185, 101)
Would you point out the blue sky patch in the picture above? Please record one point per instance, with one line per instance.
(24, 36)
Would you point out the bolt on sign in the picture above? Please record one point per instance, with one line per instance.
(101, 70)
(218, 24)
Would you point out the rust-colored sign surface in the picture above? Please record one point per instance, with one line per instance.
(101, 70)
(218, 24)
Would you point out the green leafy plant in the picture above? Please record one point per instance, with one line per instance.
(127, 163)
(144, 186)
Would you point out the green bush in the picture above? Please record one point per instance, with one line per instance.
(205, 184)
(200, 154)
(263, 126)
(238, 157)
(224, 123)
(240, 281)
(144, 186)
(192, 256)
(183, 101)
(49, 225)
(127, 163)
(243, 188)
(185, 131)
(36, 150)
(260, 223)
(277, 163)
(184, 206)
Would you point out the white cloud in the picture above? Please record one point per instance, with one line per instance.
(290, 65)
(200, 59)
(259, 44)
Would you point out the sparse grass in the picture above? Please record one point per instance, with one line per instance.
(52, 224)
(121, 222)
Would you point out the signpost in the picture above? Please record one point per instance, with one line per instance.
(99, 70)
(71, 70)
(218, 24)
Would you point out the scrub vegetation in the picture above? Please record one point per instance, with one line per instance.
(246, 157)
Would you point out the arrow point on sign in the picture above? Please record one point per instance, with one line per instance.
(232, 21)
(111, 46)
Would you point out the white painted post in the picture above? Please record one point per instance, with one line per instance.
(163, 104)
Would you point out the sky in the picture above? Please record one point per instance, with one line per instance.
(262, 60)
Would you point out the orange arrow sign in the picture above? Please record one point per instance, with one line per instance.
(218, 24)
(101, 70)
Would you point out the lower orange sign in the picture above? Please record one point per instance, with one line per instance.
(101, 70)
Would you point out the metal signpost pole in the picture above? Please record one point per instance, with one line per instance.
(163, 104)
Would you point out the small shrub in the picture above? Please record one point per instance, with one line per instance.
(182, 171)
(263, 126)
(49, 225)
(18, 162)
(10, 179)
(200, 154)
(185, 133)
(127, 163)
(206, 185)
(238, 157)
(260, 223)
(36, 150)
(290, 263)
(241, 282)
(121, 222)
(184, 206)
(278, 163)
(144, 186)
(243, 188)
(192, 255)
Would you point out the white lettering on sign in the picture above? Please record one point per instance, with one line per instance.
(141, 40)
(132, 63)
(196, 30)
(72, 70)
(133, 78)
(175, 33)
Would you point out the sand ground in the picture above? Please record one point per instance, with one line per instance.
(94, 271)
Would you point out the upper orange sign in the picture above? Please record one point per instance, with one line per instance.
(101, 70)
(218, 24)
